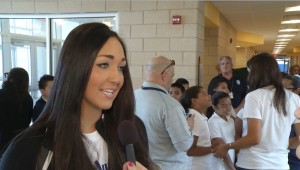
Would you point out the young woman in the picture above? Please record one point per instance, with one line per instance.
(269, 111)
(195, 100)
(78, 127)
(15, 105)
(221, 127)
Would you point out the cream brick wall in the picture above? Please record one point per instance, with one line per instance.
(46, 7)
(217, 43)
(146, 27)
(6, 6)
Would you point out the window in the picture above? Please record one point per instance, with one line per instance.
(25, 42)
(283, 63)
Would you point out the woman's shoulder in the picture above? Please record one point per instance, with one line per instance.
(24, 148)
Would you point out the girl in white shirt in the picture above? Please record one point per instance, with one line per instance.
(195, 101)
(221, 127)
(269, 110)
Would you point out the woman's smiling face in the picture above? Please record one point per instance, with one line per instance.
(106, 78)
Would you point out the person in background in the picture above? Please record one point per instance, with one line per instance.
(269, 110)
(78, 127)
(294, 161)
(183, 82)
(15, 105)
(219, 85)
(221, 127)
(45, 85)
(195, 100)
(287, 81)
(176, 90)
(168, 132)
(294, 71)
(236, 84)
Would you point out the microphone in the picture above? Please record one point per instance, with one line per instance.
(127, 133)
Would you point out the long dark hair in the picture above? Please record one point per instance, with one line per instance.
(63, 108)
(188, 95)
(264, 71)
(16, 85)
(17, 81)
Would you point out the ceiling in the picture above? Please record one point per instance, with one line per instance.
(261, 18)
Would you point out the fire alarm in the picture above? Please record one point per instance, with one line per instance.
(176, 19)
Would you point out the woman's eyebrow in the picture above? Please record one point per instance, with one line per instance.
(110, 56)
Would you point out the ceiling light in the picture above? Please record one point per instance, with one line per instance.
(285, 35)
(280, 45)
(283, 40)
(293, 21)
(277, 50)
(291, 9)
(289, 30)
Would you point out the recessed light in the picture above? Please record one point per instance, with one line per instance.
(285, 35)
(289, 30)
(283, 40)
(292, 21)
(292, 9)
(277, 50)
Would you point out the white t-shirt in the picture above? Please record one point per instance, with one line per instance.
(244, 122)
(97, 149)
(219, 128)
(201, 130)
(272, 151)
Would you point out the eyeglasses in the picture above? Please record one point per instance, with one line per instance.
(171, 64)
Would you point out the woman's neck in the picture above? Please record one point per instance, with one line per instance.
(88, 122)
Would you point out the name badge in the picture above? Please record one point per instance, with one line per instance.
(231, 95)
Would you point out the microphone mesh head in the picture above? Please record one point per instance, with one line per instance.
(127, 132)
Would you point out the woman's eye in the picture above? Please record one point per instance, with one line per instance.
(103, 65)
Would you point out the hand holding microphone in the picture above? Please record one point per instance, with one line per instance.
(127, 133)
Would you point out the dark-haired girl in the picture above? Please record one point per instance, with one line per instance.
(77, 129)
(15, 105)
(269, 111)
(195, 101)
(221, 126)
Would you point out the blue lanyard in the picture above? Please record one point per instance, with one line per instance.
(153, 88)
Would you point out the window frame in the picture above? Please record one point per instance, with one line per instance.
(6, 63)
